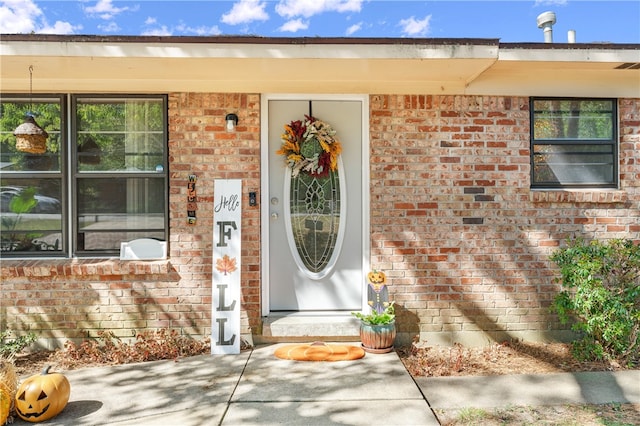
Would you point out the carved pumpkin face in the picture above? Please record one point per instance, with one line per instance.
(42, 396)
(377, 277)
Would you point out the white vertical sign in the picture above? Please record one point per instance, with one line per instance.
(227, 224)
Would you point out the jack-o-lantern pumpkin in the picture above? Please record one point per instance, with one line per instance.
(377, 277)
(42, 396)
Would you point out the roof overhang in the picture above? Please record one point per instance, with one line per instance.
(313, 65)
(540, 69)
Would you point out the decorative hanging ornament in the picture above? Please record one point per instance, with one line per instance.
(30, 137)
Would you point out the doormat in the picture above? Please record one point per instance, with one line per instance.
(319, 351)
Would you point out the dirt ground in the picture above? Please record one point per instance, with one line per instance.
(497, 359)
(516, 358)
(424, 360)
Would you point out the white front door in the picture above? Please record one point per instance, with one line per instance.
(315, 225)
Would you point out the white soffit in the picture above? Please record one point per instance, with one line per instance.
(451, 66)
(240, 67)
(562, 71)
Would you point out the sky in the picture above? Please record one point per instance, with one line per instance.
(593, 21)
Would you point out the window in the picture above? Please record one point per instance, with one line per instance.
(102, 180)
(573, 143)
(119, 176)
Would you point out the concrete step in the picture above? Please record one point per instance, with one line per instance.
(309, 326)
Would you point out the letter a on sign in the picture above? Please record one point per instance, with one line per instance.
(227, 220)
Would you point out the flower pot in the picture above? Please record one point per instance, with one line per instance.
(377, 338)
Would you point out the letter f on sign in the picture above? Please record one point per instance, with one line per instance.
(224, 230)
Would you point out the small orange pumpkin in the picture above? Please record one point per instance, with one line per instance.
(42, 396)
(377, 277)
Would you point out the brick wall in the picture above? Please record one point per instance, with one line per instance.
(464, 241)
(67, 298)
(199, 144)
(73, 299)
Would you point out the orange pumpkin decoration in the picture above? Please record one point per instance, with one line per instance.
(42, 396)
(377, 277)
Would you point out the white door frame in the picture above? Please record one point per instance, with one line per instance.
(264, 191)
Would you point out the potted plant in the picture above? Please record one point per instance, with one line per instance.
(378, 329)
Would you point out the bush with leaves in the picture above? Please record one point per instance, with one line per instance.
(10, 347)
(601, 293)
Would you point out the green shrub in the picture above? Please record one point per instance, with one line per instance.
(601, 293)
(10, 347)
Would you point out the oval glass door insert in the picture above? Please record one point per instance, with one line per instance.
(315, 215)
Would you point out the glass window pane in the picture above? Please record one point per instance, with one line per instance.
(573, 119)
(315, 218)
(102, 115)
(95, 240)
(120, 135)
(573, 149)
(112, 210)
(573, 142)
(47, 116)
(31, 215)
(573, 164)
(134, 199)
(120, 152)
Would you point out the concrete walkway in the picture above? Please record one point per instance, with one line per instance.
(255, 388)
(532, 389)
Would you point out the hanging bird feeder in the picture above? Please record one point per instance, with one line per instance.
(30, 137)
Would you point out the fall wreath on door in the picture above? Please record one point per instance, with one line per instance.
(310, 146)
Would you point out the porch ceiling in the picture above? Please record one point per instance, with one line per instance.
(117, 66)
(258, 65)
(253, 75)
(562, 70)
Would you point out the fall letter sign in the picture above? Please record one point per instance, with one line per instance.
(227, 219)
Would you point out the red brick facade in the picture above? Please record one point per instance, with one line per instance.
(462, 238)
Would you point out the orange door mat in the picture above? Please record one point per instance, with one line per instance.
(319, 351)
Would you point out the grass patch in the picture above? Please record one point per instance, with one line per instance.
(471, 414)
(613, 414)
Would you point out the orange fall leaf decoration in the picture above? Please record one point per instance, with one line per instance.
(226, 265)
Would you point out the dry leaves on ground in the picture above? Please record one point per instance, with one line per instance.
(516, 358)
(505, 358)
(424, 360)
(419, 359)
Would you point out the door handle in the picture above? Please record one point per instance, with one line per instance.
(274, 216)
